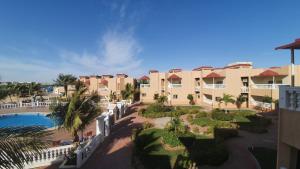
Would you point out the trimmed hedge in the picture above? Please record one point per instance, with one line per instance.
(220, 115)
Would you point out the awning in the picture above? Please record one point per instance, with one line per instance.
(214, 75)
(174, 77)
(294, 45)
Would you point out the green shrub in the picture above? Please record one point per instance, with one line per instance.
(171, 139)
(201, 114)
(196, 130)
(220, 115)
(190, 118)
(194, 111)
(257, 124)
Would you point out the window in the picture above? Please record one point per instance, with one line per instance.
(270, 82)
(175, 96)
(144, 94)
(156, 96)
(219, 82)
(278, 81)
(198, 95)
(218, 99)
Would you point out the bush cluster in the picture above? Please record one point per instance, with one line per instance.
(221, 115)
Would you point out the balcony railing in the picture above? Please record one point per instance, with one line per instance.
(289, 98)
(261, 104)
(244, 89)
(144, 85)
(174, 85)
(266, 86)
(214, 86)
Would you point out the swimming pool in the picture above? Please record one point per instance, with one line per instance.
(25, 119)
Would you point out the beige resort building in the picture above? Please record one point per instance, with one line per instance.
(106, 84)
(207, 84)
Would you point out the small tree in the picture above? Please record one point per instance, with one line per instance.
(227, 98)
(239, 101)
(162, 99)
(127, 94)
(190, 97)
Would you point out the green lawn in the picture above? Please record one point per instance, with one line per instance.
(153, 154)
(266, 157)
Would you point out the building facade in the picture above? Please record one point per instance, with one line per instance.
(208, 84)
(104, 85)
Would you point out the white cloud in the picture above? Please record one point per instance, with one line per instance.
(118, 52)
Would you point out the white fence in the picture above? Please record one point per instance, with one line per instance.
(26, 105)
(171, 85)
(214, 86)
(289, 98)
(49, 156)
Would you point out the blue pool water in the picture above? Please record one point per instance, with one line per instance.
(18, 120)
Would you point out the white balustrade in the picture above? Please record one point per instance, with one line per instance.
(144, 85)
(244, 89)
(267, 86)
(49, 156)
(172, 85)
(27, 105)
(214, 86)
(289, 98)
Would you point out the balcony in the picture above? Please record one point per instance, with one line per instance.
(171, 85)
(214, 86)
(289, 98)
(144, 85)
(244, 89)
(266, 86)
(103, 89)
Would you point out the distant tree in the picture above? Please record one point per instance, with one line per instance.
(190, 97)
(65, 80)
(239, 101)
(227, 98)
(3, 93)
(127, 93)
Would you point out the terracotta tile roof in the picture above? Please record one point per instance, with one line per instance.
(269, 73)
(122, 74)
(202, 67)
(237, 65)
(110, 76)
(293, 45)
(153, 71)
(144, 78)
(213, 75)
(175, 70)
(174, 77)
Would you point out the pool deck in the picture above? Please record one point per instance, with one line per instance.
(25, 109)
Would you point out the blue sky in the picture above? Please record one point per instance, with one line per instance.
(39, 39)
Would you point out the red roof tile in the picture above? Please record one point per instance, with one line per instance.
(202, 67)
(174, 77)
(145, 78)
(213, 75)
(294, 45)
(269, 73)
(175, 70)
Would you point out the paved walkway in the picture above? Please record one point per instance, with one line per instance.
(115, 152)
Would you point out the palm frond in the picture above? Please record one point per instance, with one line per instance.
(18, 144)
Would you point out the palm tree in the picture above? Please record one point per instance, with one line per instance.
(227, 98)
(82, 110)
(65, 80)
(127, 94)
(17, 144)
(239, 101)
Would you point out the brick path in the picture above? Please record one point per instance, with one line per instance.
(115, 152)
